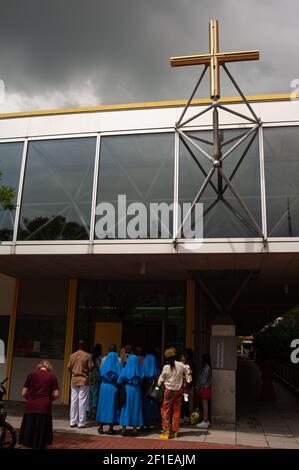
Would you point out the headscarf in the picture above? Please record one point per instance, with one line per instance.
(132, 372)
(150, 367)
(111, 367)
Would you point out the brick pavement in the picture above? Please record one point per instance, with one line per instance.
(64, 440)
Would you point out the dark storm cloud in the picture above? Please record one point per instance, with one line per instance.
(89, 52)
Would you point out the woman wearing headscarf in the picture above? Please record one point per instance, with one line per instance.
(107, 412)
(131, 411)
(151, 409)
(173, 375)
(96, 356)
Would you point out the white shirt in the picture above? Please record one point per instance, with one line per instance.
(173, 378)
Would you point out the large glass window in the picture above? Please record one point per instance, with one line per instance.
(10, 165)
(281, 148)
(223, 215)
(140, 169)
(57, 192)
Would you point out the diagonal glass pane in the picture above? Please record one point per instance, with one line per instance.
(57, 192)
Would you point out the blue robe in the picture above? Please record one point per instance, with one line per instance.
(132, 376)
(107, 405)
(151, 409)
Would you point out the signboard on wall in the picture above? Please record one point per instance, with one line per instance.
(224, 352)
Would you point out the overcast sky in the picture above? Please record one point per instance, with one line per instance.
(65, 53)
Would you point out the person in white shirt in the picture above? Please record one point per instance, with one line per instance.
(173, 375)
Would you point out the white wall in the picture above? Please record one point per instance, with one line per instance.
(22, 366)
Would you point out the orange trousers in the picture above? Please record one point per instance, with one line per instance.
(171, 410)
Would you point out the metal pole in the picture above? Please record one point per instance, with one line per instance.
(216, 137)
(208, 292)
(241, 159)
(239, 291)
(20, 194)
(242, 203)
(199, 165)
(196, 115)
(237, 114)
(240, 92)
(239, 142)
(198, 196)
(192, 95)
(184, 136)
(239, 216)
(263, 182)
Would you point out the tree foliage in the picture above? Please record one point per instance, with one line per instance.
(275, 338)
(7, 195)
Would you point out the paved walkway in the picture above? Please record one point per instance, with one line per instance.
(270, 425)
(274, 425)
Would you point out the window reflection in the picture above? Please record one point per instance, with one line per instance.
(10, 166)
(281, 148)
(57, 192)
(141, 167)
(223, 216)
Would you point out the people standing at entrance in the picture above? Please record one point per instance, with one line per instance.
(111, 348)
(204, 386)
(185, 412)
(96, 356)
(131, 411)
(139, 354)
(172, 376)
(39, 391)
(107, 412)
(151, 409)
(80, 363)
(125, 353)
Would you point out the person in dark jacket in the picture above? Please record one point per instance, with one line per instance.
(204, 386)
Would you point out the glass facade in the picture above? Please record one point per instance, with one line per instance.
(141, 167)
(10, 166)
(222, 214)
(281, 147)
(57, 193)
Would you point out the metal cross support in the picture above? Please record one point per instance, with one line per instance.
(214, 60)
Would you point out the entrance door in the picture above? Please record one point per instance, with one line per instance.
(146, 335)
(108, 333)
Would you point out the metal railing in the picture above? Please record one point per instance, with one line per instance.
(288, 374)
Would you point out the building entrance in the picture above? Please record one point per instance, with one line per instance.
(146, 314)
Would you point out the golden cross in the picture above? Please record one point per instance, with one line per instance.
(214, 59)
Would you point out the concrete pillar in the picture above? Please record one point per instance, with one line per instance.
(224, 364)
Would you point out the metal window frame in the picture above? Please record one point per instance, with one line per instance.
(98, 135)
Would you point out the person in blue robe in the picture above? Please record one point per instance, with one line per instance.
(151, 409)
(131, 411)
(107, 412)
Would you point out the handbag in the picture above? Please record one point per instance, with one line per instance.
(156, 393)
(121, 395)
